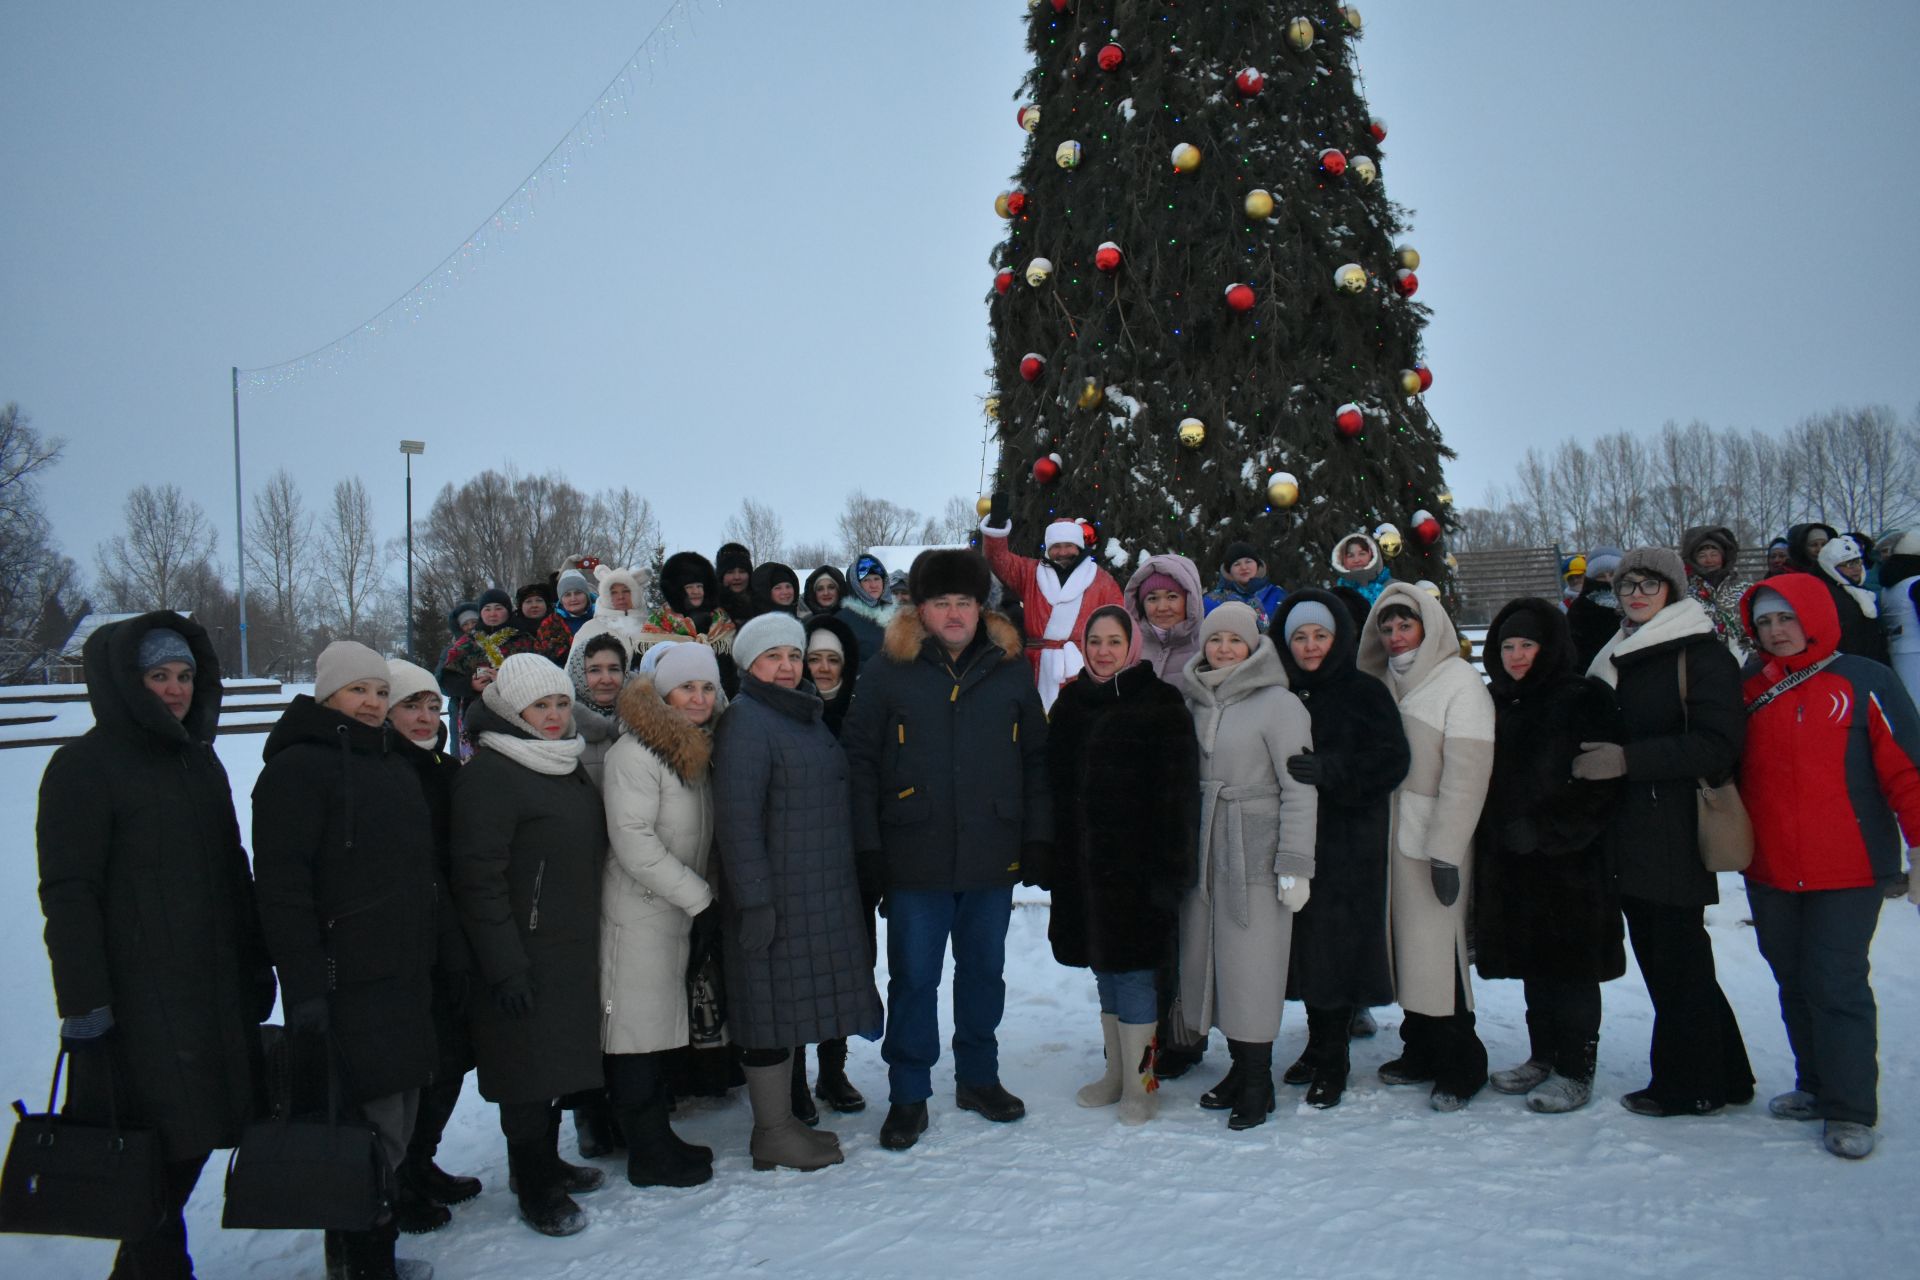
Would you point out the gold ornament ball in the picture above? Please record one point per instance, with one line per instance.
(1038, 271)
(1001, 207)
(1409, 382)
(1259, 204)
(1283, 490)
(1351, 15)
(1193, 432)
(1453, 565)
(1300, 34)
(1352, 278)
(1407, 257)
(1186, 157)
(983, 505)
(1391, 544)
(1444, 497)
(1363, 168)
(1090, 394)
(1067, 154)
(992, 407)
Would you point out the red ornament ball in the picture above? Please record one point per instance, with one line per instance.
(1250, 82)
(1061, 6)
(1002, 280)
(1088, 534)
(1016, 202)
(1377, 129)
(1426, 528)
(1032, 365)
(1108, 257)
(1406, 282)
(1046, 470)
(1110, 57)
(1240, 297)
(1334, 161)
(1349, 419)
(1426, 375)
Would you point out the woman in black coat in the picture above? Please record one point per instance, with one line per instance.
(343, 861)
(1338, 966)
(159, 973)
(1125, 770)
(1545, 907)
(1666, 642)
(529, 845)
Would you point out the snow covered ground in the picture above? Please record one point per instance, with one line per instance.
(1380, 1186)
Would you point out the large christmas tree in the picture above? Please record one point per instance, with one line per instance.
(1203, 293)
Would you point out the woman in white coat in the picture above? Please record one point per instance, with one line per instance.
(657, 912)
(1447, 712)
(1257, 827)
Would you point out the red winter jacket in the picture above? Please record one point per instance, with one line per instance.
(1830, 762)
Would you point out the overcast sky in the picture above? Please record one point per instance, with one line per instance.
(768, 278)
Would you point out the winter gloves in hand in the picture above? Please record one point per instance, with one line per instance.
(997, 510)
(756, 929)
(87, 1030)
(1036, 864)
(1600, 760)
(309, 1015)
(514, 996)
(1295, 890)
(1305, 767)
(1446, 882)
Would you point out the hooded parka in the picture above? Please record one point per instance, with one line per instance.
(1168, 652)
(149, 904)
(833, 710)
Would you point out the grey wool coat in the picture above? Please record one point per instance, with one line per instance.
(783, 818)
(1256, 824)
(1448, 715)
(527, 854)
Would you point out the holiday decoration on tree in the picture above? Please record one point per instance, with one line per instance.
(1039, 271)
(1010, 204)
(1002, 280)
(1256, 334)
(1389, 539)
(1067, 154)
(983, 505)
(1406, 282)
(1426, 380)
(1028, 118)
(1426, 527)
(1407, 256)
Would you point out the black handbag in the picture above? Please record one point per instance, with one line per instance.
(65, 1177)
(323, 1173)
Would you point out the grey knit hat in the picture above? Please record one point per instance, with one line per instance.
(768, 631)
(1235, 617)
(164, 644)
(1661, 562)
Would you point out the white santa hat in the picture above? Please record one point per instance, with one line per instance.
(1064, 531)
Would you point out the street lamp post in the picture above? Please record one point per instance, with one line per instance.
(410, 448)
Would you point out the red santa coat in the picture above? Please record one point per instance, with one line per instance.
(1056, 611)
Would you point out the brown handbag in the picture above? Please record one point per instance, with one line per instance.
(1725, 830)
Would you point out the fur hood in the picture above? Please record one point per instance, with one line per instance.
(906, 635)
(1340, 657)
(685, 567)
(1367, 572)
(686, 747)
(1555, 661)
(1439, 644)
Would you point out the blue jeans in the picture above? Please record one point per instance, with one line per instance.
(1128, 995)
(919, 922)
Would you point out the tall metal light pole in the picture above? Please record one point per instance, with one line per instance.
(410, 448)
(239, 527)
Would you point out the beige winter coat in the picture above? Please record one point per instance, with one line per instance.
(1448, 716)
(660, 822)
(1256, 825)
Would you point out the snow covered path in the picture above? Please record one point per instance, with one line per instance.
(1380, 1186)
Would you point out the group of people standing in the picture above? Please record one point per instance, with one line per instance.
(667, 849)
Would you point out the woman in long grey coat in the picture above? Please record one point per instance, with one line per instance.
(657, 904)
(529, 837)
(1448, 715)
(1257, 828)
(798, 967)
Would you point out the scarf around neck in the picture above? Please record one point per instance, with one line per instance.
(556, 757)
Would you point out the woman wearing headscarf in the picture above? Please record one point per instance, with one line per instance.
(1256, 854)
(1124, 766)
(1410, 643)
(1709, 553)
(600, 675)
(691, 591)
(869, 605)
(159, 972)
(799, 968)
(657, 913)
(1679, 695)
(529, 840)
(1545, 910)
(1339, 963)
(343, 861)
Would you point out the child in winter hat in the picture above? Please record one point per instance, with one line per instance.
(768, 631)
(342, 663)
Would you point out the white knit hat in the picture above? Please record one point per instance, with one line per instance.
(680, 663)
(524, 679)
(405, 679)
(343, 662)
(768, 631)
(823, 639)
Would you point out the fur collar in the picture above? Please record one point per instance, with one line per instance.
(684, 746)
(906, 635)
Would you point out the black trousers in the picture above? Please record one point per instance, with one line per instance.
(530, 1121)
(1448, 1047)
(1816, 943)
(1698, 1059)
(1563, 1024)
(163, 1255)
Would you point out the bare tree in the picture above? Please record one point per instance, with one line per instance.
(874, 522)
(166, 551)
(625, 531)
(33, 574)
(349, 559)
(279, 555)
(953, 526)
(808, 556)
(757, 528)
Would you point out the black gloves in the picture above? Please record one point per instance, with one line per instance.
(706, 931)
(1305, 767)
(309, 1016)
(997, 510)
(1036, 864)
(514, 996)
(1446, 882)
(756, 929)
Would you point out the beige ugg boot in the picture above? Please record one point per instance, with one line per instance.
(1105, 1091)
(1140, 1095)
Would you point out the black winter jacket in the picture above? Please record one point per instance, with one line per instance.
(343, 856)
(949, 760)
(149, 903)
(437, 770)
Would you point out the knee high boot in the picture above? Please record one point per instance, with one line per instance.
(779, 1140)
(1254, 1101)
